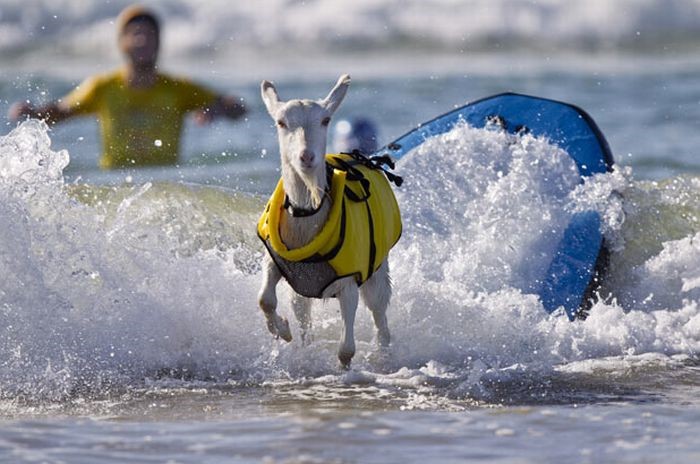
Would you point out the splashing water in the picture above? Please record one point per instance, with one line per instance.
(113, 289)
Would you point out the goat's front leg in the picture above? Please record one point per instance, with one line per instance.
(267, 299)
(348, 298)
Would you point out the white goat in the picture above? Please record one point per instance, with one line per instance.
(302, 127)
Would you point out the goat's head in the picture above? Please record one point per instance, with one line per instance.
(302, 128)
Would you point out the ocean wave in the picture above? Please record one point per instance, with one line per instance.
(219, 27)
(112, 289)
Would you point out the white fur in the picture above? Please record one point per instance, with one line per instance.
(302, 127)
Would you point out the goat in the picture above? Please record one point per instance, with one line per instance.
(302, 127)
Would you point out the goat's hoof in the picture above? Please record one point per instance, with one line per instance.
(279, 327)
(384, 339)
(345, 359)
(282, 326)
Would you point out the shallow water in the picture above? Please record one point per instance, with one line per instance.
(353, 423)
(129, 330)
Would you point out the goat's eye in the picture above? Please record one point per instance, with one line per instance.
(326, 121)
(281, 124)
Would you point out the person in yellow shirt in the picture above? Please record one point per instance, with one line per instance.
(140, 110)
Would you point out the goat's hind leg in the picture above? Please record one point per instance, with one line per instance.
(267, 299)
(376, 293)
(302, 310)
(348, 298)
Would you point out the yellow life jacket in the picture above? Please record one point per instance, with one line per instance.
(363, 224)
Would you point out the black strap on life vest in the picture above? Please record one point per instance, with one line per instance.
(377, 162)
(354, 174)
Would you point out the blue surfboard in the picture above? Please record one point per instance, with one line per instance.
(581, 257)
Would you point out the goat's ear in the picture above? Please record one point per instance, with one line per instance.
(335, 97)
(269, 97)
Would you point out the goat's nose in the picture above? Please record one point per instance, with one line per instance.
(307, 158)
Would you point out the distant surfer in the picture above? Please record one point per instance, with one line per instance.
(140, 110)
(358, 133)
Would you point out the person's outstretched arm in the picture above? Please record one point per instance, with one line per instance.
(81, 100)
(51, 113)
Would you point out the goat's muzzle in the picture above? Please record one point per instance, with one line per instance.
(307, 159)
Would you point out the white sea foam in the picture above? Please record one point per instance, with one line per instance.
(214, 26)
(94, 293)
(137, 282)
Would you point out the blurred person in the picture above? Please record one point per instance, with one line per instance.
(140, 110)
(358, 133)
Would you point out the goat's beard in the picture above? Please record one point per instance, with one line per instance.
(316, 191)
(313, 181)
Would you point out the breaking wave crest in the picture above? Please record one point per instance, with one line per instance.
(220, 27)
(112, 289)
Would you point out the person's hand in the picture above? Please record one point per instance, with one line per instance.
(19, 111)
(203, 117)
(223, 106)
